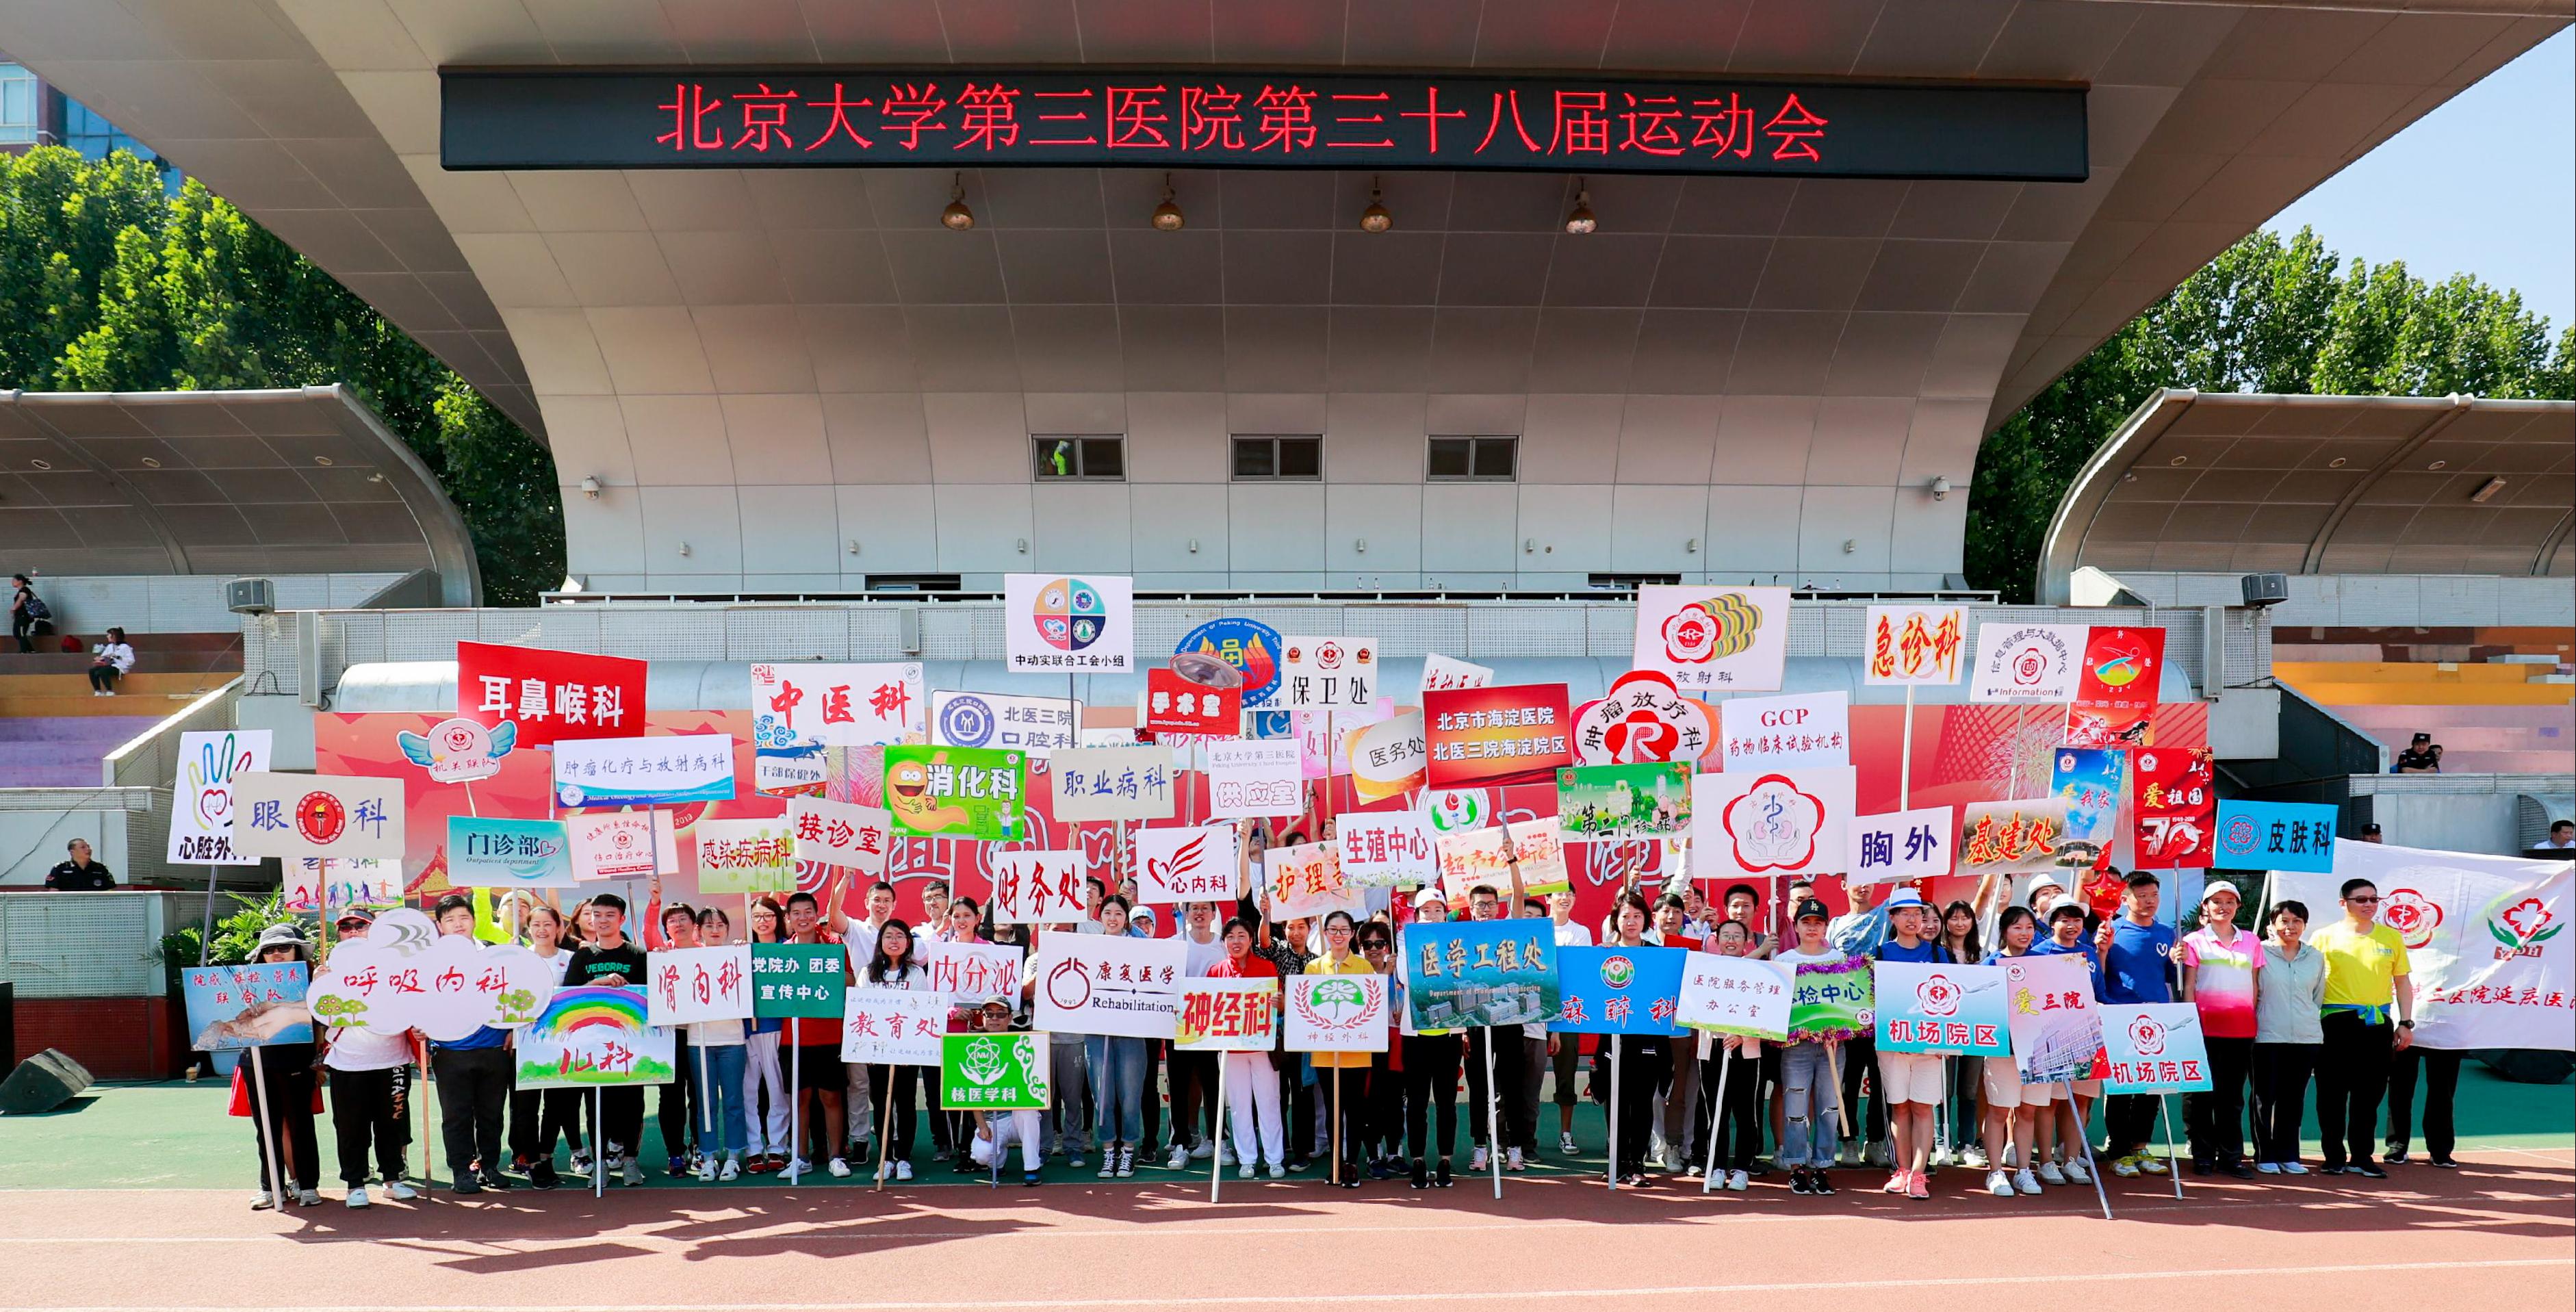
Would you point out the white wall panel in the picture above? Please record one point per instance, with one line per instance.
(894, 525)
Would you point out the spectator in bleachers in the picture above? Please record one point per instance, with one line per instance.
(113, 660)
(25, 609)
(2562, 836)
(80, 874)
(2421, 756)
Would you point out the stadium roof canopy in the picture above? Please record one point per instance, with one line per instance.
(289, 481)
(2215, 481)
(794, 378)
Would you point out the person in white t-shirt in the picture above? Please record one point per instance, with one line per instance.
(860, 937)
(1565, 1051)
(370, 1082)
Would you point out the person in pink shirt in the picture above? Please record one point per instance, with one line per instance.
(2220, 965)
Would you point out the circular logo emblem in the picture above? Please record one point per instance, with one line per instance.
(2413, 915)
(966, 722)
(1617, 972)
(2239, 837)
(1250, 646)
(2147, 1037)
(1937, 996)
(320, 818)
(1328, 656)
(2030, 666)
(1070, 614)
(1068, 985)
(2119, 662)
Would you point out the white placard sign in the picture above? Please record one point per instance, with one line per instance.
(1035, 725)
(1736, 995)
(1105, 984)
(1711, 638)
(1326, 674)
(1176, 865)
(1336, 1013)
(622, 844)
(1770, 822)
(406, 975)
(2027, 662)
(1900, 846)
(886, 1026)
(1915, 645)
(841, 834)
(1113, 783)
(836, 705)
(1037, 888)
(1785, 733)
(292, 815)
(972, 972)
(201, 799)
(1442, 673)
(686, 985)
(1253, 777)
(1381, 849)
(1069, 624)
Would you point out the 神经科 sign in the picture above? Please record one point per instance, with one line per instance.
(943, 117)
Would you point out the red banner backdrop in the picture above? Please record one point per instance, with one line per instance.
(1961, 754)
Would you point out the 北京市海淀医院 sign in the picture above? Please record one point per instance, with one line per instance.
(1208, 118)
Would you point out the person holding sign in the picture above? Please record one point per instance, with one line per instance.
(1640, 1061)
(473, 1075)
(816, 1058)
(370, 1081)
(1252, 1082)
(2019, 1123)
(996, 1131)
(1430, 1065)
(2139, 957)
(609, 959)
(2066, 917)
(766, 1148)
(538, 1117)
(1909, 1082)
(1118, 1070)
(892, 965)
(1734, 1123)
(287, 1093)
(1807, 1068)
(1350, 1105)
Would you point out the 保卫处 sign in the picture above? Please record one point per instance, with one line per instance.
(541, 118)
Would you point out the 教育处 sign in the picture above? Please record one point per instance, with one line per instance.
(527, 118)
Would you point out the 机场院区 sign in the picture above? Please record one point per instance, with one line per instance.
(495, 118)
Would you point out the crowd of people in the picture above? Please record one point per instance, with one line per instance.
(2294, 1003)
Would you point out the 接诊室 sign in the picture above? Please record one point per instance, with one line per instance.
(843, 834)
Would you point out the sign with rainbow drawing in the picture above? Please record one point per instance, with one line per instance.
(594, 1035)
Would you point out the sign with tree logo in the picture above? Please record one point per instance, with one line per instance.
(993, 1072)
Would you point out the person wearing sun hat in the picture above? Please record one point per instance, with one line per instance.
(1910, 1082)
(286, 1080)
(2221, 978)
(370, 1081)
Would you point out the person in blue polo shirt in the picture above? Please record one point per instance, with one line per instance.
(2138, 956)
(1909, 1082)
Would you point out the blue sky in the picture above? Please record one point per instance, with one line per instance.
(2486, 185)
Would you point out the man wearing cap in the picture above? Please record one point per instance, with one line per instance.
(1806, 1069)
(1909, 1083)
(2137, 964)
(474, 1075)
(2220, 977)
(370, 1080)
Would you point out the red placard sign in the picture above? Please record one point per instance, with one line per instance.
(1176, 705)
(2115, 690)
(1515, 734)
(2177, 809)
(550, 695)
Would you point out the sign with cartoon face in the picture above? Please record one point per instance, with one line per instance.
(201, 798)
(1711, 638)
(459, 750)
(1771, 822)
(298, 815)
(1067, 624)
(957, 792)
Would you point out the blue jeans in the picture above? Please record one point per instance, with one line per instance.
(1808, 1137)
(722, 1091)
(1118, 1087)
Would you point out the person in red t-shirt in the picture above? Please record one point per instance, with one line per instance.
(818, 1070)
(1252, 1082)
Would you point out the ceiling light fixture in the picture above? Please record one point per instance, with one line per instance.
(957, 218)
(1375, 218)
(1580, 221)
(2488, 489)
(1167, 216)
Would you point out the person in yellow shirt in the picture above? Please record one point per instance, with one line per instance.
(1350, 1070)
(2368, 985)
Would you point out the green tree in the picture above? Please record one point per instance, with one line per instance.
(2268, 315)
(111, 283)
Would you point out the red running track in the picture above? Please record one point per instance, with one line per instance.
(2498, 1234)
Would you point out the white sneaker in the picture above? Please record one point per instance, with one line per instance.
(2075, 1171)
(262, 1201)
(1941, 1157)
(706, 1169)
(401, 1192)
(1565, 1144)
(581, 1162)
(1277, 1172)
(732, 1169)
(308, 1198)
(1180, 1158)
(1244, 1172)
(2024, 1181)
(2048, 1171)
(1512, 1160)
(358, 1197)
(1225, 1154)
(1973, 1155)
(2000, 1184)
(885, 1170)
(1738, 1181)
(903, 1170)
(1126, 1163)
(1202, 1150)
(1479, 1161)
(634, 1172)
